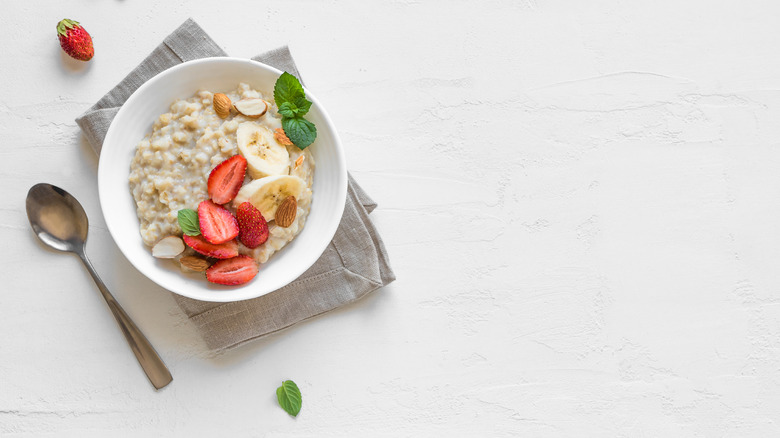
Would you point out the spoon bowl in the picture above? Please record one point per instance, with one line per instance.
(57, 218)
(61, 223)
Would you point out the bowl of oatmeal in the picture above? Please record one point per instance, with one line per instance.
(166, 141)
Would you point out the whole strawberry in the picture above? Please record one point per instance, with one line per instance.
(253, 229)
(75, 41)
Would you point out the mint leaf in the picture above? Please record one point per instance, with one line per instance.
(289, 397)
(288, 109)
(300, 131)
(297, 108)
(287, 89)
(292, 105)
(302, 105)
(188, 222)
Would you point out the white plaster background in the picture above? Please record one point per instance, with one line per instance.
(581, 200)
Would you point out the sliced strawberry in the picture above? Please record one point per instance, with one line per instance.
(222, 251)
(252, 227)
(226, 179)
(217, 224)
(237, 270)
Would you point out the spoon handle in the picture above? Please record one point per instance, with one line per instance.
(150, 361)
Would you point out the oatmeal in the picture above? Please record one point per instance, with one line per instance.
(172, 165)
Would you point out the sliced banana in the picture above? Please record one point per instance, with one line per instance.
(264, 155)
(267, 193)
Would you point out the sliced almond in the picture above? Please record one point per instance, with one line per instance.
(286, 212)
(222, 105)
(252, 107)
(281, 137)
(299, 161)
(195, 263)
(168, 247)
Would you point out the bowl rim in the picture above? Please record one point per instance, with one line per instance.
(301, 265)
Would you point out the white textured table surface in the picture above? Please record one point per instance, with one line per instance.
(581, 201)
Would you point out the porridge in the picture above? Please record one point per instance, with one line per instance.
(201, 150)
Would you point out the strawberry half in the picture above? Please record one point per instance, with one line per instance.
(217, 224)
(75, 40)
(226, 179)
(252, 227)
(222, 251)
(231, 272)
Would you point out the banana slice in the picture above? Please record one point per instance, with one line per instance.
(267, 193)
(264, 155)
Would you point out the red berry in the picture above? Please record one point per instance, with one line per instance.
(231, 272)
(75, 40)
(217, 224)
(222, 251)
(253, 229)
(226, 179)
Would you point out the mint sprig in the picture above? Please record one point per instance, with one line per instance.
(188, 222)
(289, 397)
(293, 105)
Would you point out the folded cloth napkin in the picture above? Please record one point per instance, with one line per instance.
(354, 263)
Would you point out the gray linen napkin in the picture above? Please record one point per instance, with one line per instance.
(354, 263)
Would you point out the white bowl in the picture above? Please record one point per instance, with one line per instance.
(134, 121)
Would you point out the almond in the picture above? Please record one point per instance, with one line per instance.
(195, 263)
(299, 161)
(252, 107)
(286, 212)
(222, 105)
(168, 247)
(282, 138)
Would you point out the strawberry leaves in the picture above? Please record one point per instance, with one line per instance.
(64, 25)
(293, 105)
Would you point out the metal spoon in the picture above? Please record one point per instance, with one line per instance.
(60, 222)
